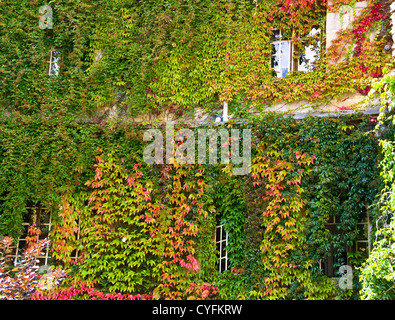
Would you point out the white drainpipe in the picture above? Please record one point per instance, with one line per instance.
(225, 112)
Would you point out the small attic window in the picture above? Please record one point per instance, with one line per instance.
(53, 60)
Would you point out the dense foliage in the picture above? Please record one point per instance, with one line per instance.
(147, 231)
(169, 57)
(20, 279)
(377, 274)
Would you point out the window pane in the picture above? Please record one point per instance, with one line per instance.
(53, 66)
(223, 251)
(363, 216)
(44, 231)
(218, 234)
(362, 246)
(281, 58)
(25, 231)
(223, 265)
(362, 231)
(22, 245)
(285, 48)
(44, 216)
(312, 52)
(55, 56)
(221, 242)
(54, 69)
(275, 48)
(275, 62)
(284, 72)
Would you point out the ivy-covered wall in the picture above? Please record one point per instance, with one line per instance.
(176, 57)
(150, 229)
(146, 228)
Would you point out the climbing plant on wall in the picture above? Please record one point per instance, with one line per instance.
(327, 185)
(303, 173)
(61, 150)
(179, 55)
(376, 275)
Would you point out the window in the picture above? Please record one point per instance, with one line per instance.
(53, 59)
(283, 60)
(362, 244)
(331, 264)
(311, 54)
(221, 241)
(42, 218)
(281, 54)
(364, 229)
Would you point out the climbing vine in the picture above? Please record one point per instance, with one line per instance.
(149, 230)
(175, 57)
(377, 272)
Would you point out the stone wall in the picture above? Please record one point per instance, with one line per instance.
(341, 20)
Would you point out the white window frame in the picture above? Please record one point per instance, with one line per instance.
(283, 59)
(221, 243)
(365, 224)
(287, 59)
(53, 68)
(43, 260)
